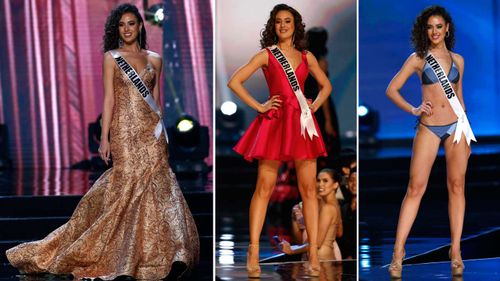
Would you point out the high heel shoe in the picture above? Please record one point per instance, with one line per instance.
(457, 265)
(253, 270)
(396, 267)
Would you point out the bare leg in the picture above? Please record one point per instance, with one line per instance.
(457, 156)
(425, 148)
(306, 176)
(266, 180)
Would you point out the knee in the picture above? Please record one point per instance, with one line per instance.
(264, 188)
(308, 191)
(416, 189)
(456, 186)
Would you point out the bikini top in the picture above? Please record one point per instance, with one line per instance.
(428, 76)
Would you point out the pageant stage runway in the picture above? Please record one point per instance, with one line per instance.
(383, 180)
(235, 184)
(35, 202)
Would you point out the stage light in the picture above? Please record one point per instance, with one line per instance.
(228, 108)
(229, 121)
(368, 125)
(188, 147)
(185, 125)
(155, 14)
(159, 16)
(362, 110)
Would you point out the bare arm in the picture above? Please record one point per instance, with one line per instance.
(326, 216)
(325, 87)
(108, 69)
(242, 74)
(157, 64)
(340, 224)
(411, 65)
(460, 64)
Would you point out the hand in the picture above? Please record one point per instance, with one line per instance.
(311, 105)
(273, 103)
(285, 247)
(425, 107)
(104, 151)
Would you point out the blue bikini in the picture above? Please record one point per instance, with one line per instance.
(429, 78)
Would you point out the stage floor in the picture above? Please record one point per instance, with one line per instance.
(34, 202)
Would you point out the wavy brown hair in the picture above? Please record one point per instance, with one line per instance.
(268, 35)
(111, 33)
(419, 38)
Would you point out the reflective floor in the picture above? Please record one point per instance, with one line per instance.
(330, 270)
(34, 202)
(383, 180)
(235, 185)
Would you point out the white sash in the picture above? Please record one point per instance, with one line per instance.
(143, 90)
(463, 125)
(306, 119)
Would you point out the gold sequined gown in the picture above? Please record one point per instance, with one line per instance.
(134, 220)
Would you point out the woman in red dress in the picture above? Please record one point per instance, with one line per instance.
(278, 133)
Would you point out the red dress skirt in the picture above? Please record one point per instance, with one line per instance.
(275, 134)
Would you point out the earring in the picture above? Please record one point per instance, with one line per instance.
(447, 34)
(120, 43)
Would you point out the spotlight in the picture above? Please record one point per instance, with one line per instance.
(229, 123)
(228, 108)
(185, 125)
(155, 14)
(188, 147)
(368, 125)
(362, 110)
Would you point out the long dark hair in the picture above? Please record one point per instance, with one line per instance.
(268, 35)
(111, 33)
(419, 38)
(316, 41)
(336, 177)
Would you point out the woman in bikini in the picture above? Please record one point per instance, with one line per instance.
(433, 33)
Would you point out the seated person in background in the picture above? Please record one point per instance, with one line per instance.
(330, 220)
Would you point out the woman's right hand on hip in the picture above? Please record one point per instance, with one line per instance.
(273, 103)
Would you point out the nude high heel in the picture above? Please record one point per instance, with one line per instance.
(253, 270)
(396, 267)
(457, 265)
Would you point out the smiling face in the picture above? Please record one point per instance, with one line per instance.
(129, 28)
(436, 29)
(284, 25)
(325, 184)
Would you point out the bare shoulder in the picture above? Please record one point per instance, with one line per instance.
(263, 54)
(414, 61)
(457, 58)
(310, 57)
(261, 58)
(155, 59)
(108, 60)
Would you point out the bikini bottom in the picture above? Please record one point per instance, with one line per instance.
(442, 131)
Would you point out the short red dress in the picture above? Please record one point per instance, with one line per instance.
(275, 134)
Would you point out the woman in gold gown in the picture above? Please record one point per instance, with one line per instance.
(134, 220)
